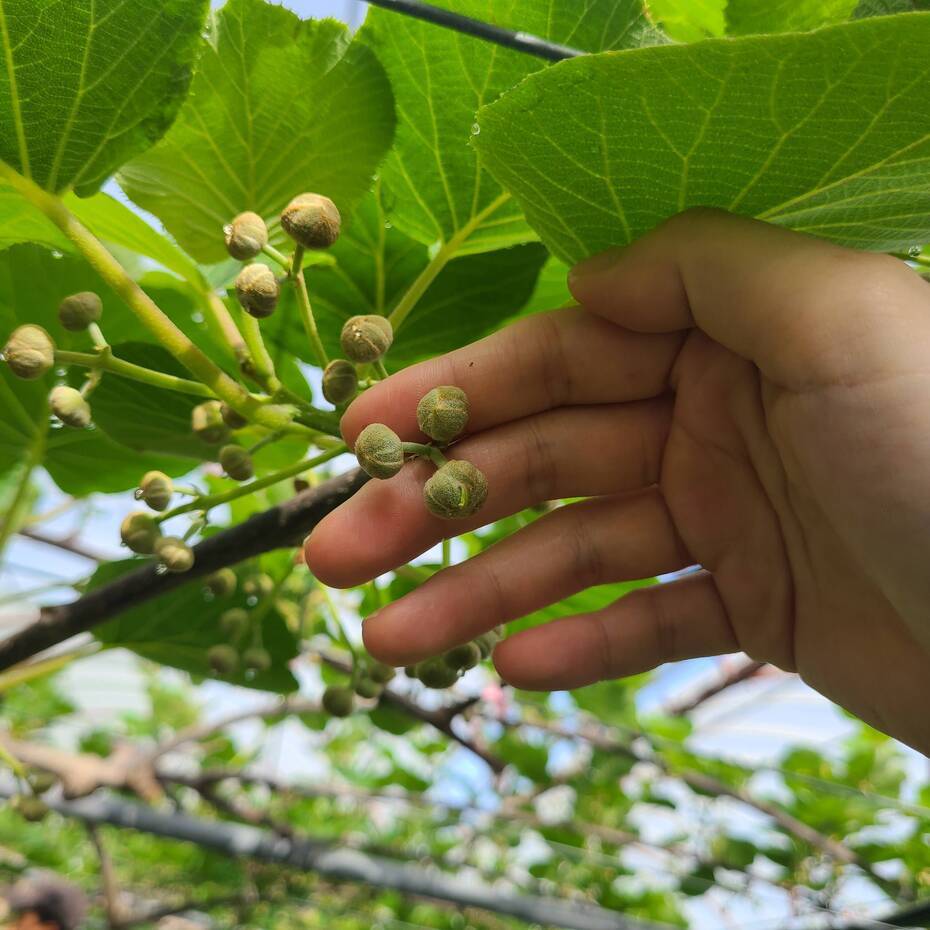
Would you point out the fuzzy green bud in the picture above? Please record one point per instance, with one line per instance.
(258, 586)
(381, 673)
(237, 463)
(69, 405)
(29, 352)
(223, 659)
(30, 808)
(340, 381)
(443, 413)
(455, 491)
(155, 489)
(366, 338)
(246, 236)
(175, 554)
(367, 687)
(257, 290)
(338, 701)
(256, 659)
(78, 311)
(234, 622)
(140, 532)
(232, 418)
(208, 424)
(221, 583)
(379, 451)
(435, 673)
(464, 657)
(312, 221)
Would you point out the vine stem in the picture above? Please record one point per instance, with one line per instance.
(146, 310)
(446, 253)
(105, 361)
(306, 310)
(215, 500)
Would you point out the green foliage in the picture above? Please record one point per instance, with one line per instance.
(83, 92)
(596, 162)
(245, 140)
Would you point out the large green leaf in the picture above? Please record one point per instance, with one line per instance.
(807, 131)
(179, 627)
(745, 17)
(441, 78)
(277, 107)
(374, 265)
(85, 86)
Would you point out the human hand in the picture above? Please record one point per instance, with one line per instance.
(729, 394)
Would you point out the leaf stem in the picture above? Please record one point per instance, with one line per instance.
(146, 310)
(306, 311)
(446, 253)
(243, 490)
(106, 361)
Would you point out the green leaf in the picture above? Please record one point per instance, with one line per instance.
(86, 86)
(690, 20)
(441, 78)
(746, 17)
(276, 104)
(179, 627)
(601, 149)
(373, 267)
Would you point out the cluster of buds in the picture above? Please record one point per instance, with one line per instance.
(311, 220)
(445, 670)
(30, 355)
(457, 489)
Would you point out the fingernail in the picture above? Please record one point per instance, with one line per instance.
(586, 272)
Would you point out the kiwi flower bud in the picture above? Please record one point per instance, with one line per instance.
(175, 554)
(237, 463)
(338, 701)
(435, 673)
(155, 489)
(246, 236)
(456, 490)
(463, 657)
(140, 532)
(258, 290)
(340, 381)
(443, 413)
(69, 405)
(29, 352)
(258, 586)
(256, 659)
(222, 583)
(367, 687)
(381, 673)
(232, 418)
(312, 221)
(234, 622)
(223, 659)
(207, 422)
(78, 311)
(379, 451)
(366, 338)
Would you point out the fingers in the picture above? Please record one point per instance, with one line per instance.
(681, 620)
(544, 361)
(805, 311)
(572, 452)
(585, 544)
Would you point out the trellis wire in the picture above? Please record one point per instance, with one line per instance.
(509, 38)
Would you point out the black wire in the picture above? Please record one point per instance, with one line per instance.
(521, 41)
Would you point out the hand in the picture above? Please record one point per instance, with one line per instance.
(729, 394)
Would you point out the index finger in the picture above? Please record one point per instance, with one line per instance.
(563, 358)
